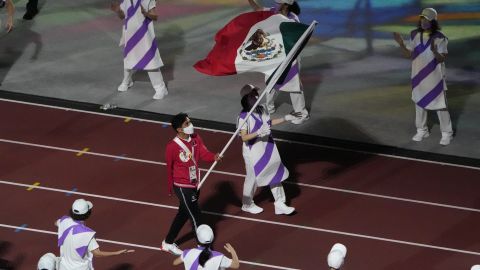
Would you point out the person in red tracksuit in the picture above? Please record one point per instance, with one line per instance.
(183, 154)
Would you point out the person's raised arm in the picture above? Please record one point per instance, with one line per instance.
(178, 261)
(150, 14)
(398, 38)
(235, 261)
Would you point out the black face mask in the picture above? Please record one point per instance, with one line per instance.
(252, 99)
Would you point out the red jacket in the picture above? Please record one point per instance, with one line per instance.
(178, 173)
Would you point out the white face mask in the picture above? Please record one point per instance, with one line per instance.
(188, 130)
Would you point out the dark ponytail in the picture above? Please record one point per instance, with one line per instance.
(205, 255)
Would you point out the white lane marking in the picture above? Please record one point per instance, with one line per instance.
(243, 175)
(137, 245)
(283, 224)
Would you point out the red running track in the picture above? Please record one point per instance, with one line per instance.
(404, 229)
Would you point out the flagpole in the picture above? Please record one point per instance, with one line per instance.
(268, 88)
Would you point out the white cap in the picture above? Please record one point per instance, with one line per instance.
(81, 206)
(47, 262)
(475, 267)
(429, 14)
(289, 2)
(204, 234)
(337, 256)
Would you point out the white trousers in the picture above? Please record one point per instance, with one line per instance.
(250, 186)
(297, 98)
(443, 118)
(156, 78)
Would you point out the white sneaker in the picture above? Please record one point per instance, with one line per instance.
(282, 209)
(420, 136)
(300, 117)
(172, 248)
(446, 139)
(252, 208)
(160, 92)
(124, 87)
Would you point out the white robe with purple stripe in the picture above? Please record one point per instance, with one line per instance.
(191, 257)
(428, 76)
(78, 236)
(262, 153)
(140, 47)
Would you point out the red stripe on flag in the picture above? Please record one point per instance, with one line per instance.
(221, 59)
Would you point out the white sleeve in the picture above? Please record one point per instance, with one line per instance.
(93, 245)
(441, 45)
(226, 262)
(240, 123)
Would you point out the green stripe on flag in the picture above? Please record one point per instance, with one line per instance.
(291, 33)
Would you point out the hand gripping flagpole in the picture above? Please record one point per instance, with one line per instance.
(273, 80)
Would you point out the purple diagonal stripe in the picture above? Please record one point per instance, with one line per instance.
(133, 41)
(81, 251)
(437, 90)
(291, 74)
(277, 178)
(429, 68)
(147, 57)
(64, 235)
(131, 11)
(421, 48)
(262, 163)
(81, 229)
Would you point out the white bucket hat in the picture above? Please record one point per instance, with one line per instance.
(204, 234)
(47, 262)
(337, 256)
(81, 206)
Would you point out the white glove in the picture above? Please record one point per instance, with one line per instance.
(263, 131)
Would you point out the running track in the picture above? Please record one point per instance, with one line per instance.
(391, 213)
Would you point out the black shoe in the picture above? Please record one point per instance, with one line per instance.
(30, 14)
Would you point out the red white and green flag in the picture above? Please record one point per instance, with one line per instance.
(252, 42)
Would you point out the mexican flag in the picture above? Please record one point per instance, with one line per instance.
(252, 42)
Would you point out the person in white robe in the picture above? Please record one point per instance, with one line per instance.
(428, 50)
(140, 50)
(263, 164)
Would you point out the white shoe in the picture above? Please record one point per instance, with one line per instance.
(446, 139)
(420, 136)
(160, 92)
(300, 117)
(271, 109)
(252, 208)
(124, 87)
(282, 209)
(172, 248)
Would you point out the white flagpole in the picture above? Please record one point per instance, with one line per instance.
(268, 88)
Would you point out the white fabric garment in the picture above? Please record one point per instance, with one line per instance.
(443, 119)
(75, 237)
(261, 153)
(69, 259)
(156, 78)
(217, 261)
(428, 76)
(138, 37)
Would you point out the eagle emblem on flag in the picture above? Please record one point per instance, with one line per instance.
(260, 47)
